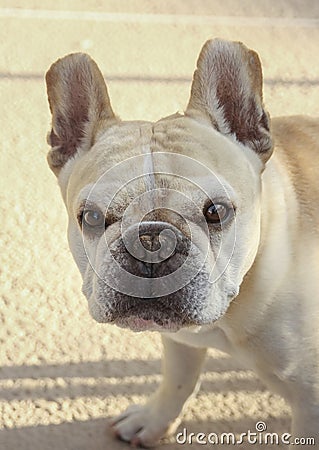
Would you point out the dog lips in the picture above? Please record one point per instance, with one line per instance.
(139, 324)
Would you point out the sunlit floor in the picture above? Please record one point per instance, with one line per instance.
(61, 374)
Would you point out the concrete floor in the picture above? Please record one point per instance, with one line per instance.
(63, 375)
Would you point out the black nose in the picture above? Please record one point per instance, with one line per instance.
(153, 242)
(152, 247)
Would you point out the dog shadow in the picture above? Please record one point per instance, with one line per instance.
(224, 384)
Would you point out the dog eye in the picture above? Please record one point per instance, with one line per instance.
(218, 213)
(93, 219)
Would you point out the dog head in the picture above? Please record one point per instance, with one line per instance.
(164, 217)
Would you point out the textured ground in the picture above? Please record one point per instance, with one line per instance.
(61, 374)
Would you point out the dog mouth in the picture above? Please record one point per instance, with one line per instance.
(150, 315)
(190, 305)
(197, 304)
(139, 324)
(163, 314)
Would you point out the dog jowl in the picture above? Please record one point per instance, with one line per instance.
(199, 226)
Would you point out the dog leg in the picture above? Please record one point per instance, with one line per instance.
(145, 425)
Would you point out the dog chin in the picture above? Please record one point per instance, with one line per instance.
(134, 322)
(139, 324)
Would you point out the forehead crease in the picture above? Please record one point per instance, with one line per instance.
(152, 172)
(148, 166)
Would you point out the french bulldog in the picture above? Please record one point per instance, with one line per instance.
(203, 226)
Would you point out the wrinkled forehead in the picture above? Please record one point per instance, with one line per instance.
(156, 189)
(174, 154)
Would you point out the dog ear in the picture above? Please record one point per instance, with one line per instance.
(79, 105)
(227, 89)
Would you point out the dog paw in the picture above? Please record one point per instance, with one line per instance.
(142, 426)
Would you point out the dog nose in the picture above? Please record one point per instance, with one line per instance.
(151, 242)
(158, 238)
(155, 242)
(154, 249)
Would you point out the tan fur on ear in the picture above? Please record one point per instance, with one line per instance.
(227, 90)
(79, 105)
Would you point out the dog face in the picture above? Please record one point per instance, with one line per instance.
(164, 217)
